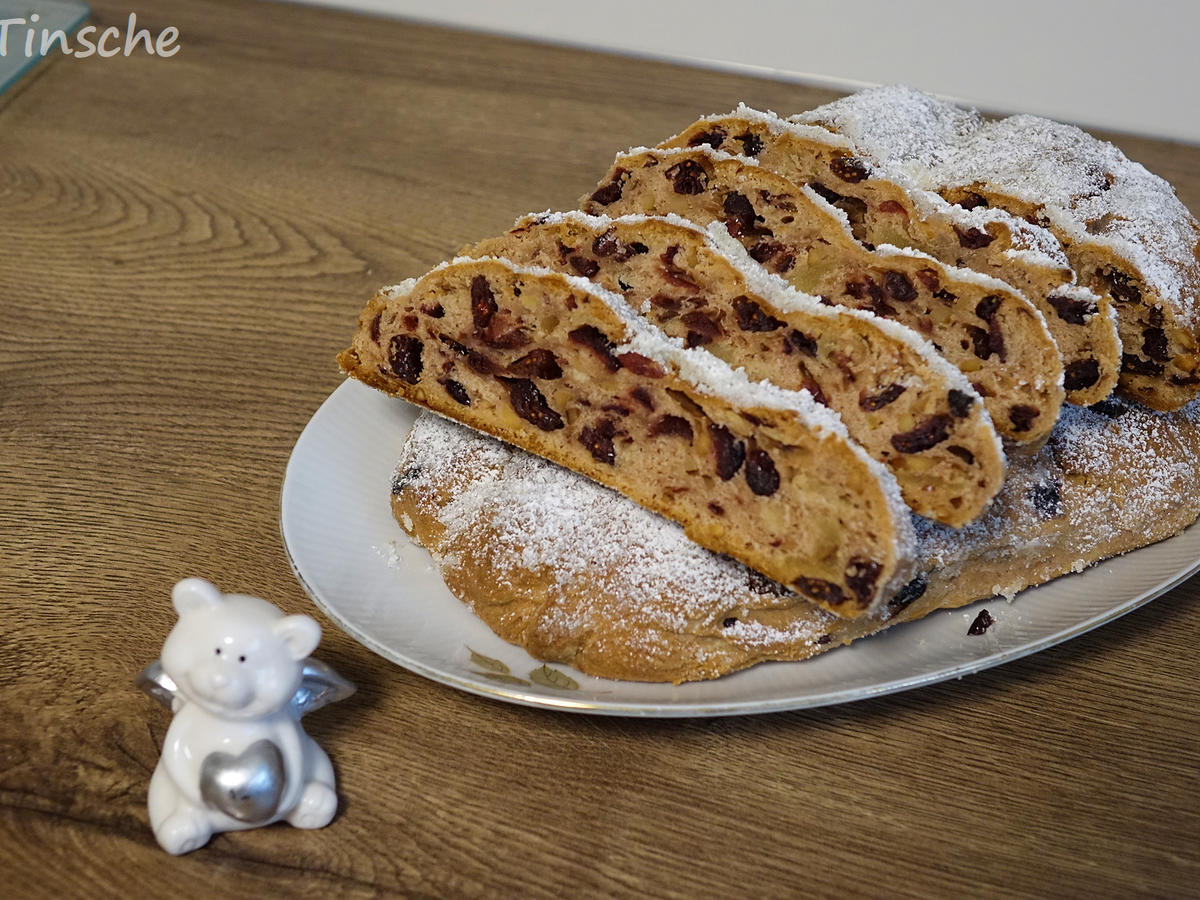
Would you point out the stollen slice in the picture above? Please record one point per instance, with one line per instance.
(983, 326)
(558, 366)
(907, 406)
(885, 206)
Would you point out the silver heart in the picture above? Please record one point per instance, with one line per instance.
(247, 787)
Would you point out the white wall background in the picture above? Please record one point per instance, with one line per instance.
(1119, 64)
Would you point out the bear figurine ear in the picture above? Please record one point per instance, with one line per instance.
(193, 594)
(301, 634)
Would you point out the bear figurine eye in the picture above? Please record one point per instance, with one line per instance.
(218, 651)
(241, 659)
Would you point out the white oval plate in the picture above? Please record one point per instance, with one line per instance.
(384, 591)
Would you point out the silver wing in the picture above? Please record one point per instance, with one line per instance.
(320, 685)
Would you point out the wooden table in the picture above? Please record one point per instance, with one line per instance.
(184, 246)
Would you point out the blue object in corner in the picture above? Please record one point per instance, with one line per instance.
(61, 15)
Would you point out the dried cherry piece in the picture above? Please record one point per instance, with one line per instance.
(584, 266)
(898, 286)
(404, 357)
(1021, 416)
(1046, 498)
(743, 220)
(761, 474)
(986, 308)
(752, 144)
(673, 272)
(483, 303)
(375, 326)
(436, 311)
(973, 238)
(714, 138)
(1080, 374)
(765, 250)
(861, 577)
(702, 328)
(677, 426)
(911, 592)
(971, 200)
(929, 433)
(1154, 344)
(1121, 286)
(850, 169)
(529, 403)
(982, 623)
(456, 391)
(597, 341)
(608, 244)
(798, 340)
(410, 322)
(610, 193)
(729, 451)
(873, 402)
(929, 278)
(962, 453)
(821, 590)
(687, 177)
(540, 363)
(642, 396)
(960, 403)
(641, 365)
(1139, 366)
(598, 439)
(891, 206)
(752, 317)
(1073, 310)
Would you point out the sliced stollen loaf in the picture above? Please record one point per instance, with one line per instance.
(1125, 232)
(884, 206)
(577, 574)
(983, 326)
(907, 406)
(561, 367)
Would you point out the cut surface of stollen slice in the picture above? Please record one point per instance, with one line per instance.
(904, 403)
(983, 326)
(558, 366)
(884, 206)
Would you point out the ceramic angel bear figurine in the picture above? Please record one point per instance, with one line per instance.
(236, 673)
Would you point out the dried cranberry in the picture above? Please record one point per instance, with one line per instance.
(598, 439)
(752, 317)
(910, 593)
(1021, 416)
(687, 177)
(987, 307)
(891, 206)
(1121, 286)
(713, 138)
(404, 357)
(483, 303)
(608, 244)
(850, 169)
(973, 238)
(929, 433)
(1047, 499)
(611, 192)
(436, 311)
(673, 272)
(765, 250)
(798, 340)
(410, 322)
(1139, 366)
(456, 391)
(1072, 310)
(929, 278)
(1154, 344)
(584, 266)
(960, 403)
(702, 328)
(743, 220)
(595, 340)
(982, 623)
(821, 591)
(729, 451)
(898, 286)
(641, 365)
(538, 363)
(873, 402)
(375, 326)
(861, 577)
(531, 405)
(1080, 374)
(513, 339)
(752, 144)
(677, 426)
(761, 473)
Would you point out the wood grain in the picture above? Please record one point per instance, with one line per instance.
(184, 246)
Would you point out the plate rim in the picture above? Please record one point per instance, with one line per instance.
(695, 709)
